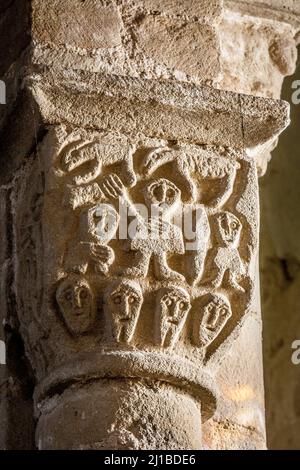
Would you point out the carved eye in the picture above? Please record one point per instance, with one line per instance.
(132, 300)
(117, 299)
(68, 295)
(234, 225)
(182, 305)
(169, 302)
(83, 294)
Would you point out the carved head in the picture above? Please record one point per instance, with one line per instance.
(216, 313)
(77, 304)
(172, 307)
(123, 302)
(99, 223)
(163, 195)
(229, 228)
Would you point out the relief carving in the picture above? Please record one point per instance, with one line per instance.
(180, 278)
(207, 262)
(85, 159)
(76, 303)
(211, 319)
(98, 225)
(161, 237)
(122, 304)
(205, 166)
(172, 308)
(226, 257)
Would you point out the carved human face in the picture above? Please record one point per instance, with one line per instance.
(101, 222)
(76, 302)
(124, 303)
(215, 316)
(229, 228)
(172, 308)
(163, 195)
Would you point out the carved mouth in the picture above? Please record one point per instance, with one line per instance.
(79, 313)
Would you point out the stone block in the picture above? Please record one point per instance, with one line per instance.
(88, 25)
(190, 48)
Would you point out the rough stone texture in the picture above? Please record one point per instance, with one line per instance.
(213, 117)
(106, 118)
(265, 47)
(280, 261)
(151, 39)
(286, 11)
(135, 426)
(217, 274)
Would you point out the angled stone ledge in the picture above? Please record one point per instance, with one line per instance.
(163, 109)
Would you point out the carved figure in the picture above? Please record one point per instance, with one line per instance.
(98, 225)
(204, 165)
(122, 303)
(197, 234)
(158, 236)
(216, 313)
(172, 308)
(77, 304)
(226, 258)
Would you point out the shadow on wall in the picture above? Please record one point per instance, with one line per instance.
(280, 279)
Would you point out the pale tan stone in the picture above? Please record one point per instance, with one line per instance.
(256, 54)
(205, 10)
(90, 24)
(213, 116)
(190, 48)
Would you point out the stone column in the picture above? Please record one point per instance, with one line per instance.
(137, 341)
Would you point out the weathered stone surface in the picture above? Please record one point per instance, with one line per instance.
(206, 10)
(190, 48)
(291, 6)
(134, 425)
(88, 25)
(144, 107)
(266, 53)
(72, 340)
(166, 39)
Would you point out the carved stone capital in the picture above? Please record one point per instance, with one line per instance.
(98, 301)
